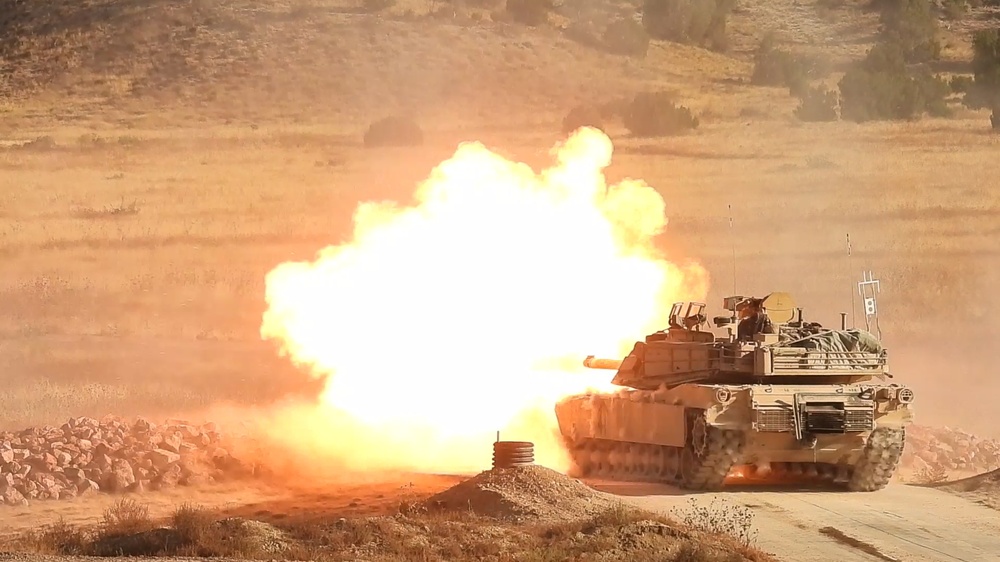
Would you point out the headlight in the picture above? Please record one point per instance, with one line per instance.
(723, 395)
(905, 395)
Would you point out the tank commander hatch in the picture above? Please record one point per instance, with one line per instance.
(753, 319)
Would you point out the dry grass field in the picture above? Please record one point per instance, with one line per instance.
(158, 159)
(407, 533)
(167, 178)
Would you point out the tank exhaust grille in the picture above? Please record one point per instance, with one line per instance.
(817, 418)
(859, 419)
(775, 419)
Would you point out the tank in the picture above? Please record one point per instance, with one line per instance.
(772, 398)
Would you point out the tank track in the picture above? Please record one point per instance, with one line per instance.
(703, 464)
(711, 453)
(878, 461)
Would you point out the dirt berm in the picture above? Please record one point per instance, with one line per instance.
(523, 493)
(523, 514)
(982, 488)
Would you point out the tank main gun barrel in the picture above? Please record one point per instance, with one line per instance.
(595, 363)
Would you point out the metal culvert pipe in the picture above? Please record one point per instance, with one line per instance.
(509, 454)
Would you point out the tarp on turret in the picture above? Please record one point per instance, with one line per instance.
(838, 343)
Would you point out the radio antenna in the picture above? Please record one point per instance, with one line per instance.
(869, 289)
(850, 267)
(732, 235)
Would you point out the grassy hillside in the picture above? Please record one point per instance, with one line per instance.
(309, 60)
(449, 63)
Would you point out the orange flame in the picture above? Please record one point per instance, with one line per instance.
(441, 323)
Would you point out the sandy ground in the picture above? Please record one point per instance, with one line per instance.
(299, 501)
(983, 489)
(900, 523)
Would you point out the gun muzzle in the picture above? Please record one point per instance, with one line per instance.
(595, 363)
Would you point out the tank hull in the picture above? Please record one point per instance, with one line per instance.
(705, 437)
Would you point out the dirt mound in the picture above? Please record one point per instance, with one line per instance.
(615, 535)
(530, 492)
(990, 479)
(983, 488)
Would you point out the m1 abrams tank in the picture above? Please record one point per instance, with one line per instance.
(778, 400)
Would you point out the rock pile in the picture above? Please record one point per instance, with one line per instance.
(85, 455)
(947, 451)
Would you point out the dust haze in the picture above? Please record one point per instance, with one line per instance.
(159, 164)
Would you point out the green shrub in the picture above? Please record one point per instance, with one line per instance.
(984, 91)
(530, 12)
(653, 114)
(954, 9)
(582, 116)
(625, 36)
(912, 25)
(961, 84)
(881, 86)
(934, 91)
(394, 131)
(480, 4)
(773, 67)
(616, 108)
(374, 6)
(696, 22)
(817, 104)
(125, 517)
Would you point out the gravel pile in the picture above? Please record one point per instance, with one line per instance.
(943, 450)
(522, 493)
(85, 456)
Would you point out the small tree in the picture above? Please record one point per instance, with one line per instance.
(817, 104)
(913, 26)
(625, 36)
(374, 6)
(530, 12)
(396, 130)
(583, 116)
(653, 114)
(773, 67)
(882, 87)
(961, 84)
(934, 474)
(954, 9)
(984, 91)
(698, 22)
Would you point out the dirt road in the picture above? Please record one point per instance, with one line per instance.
(900, 523)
